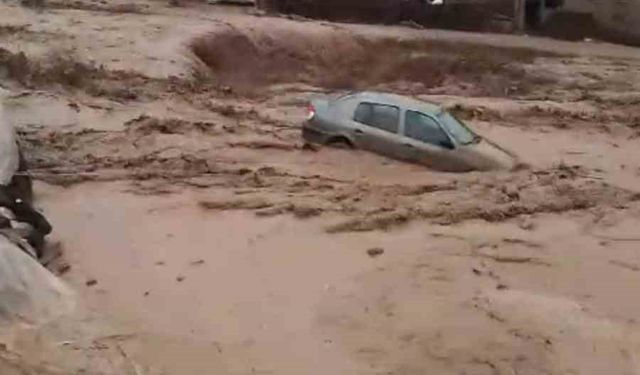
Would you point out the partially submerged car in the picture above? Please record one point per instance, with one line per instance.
(403, 128)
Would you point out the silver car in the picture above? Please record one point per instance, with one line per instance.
(403, 128)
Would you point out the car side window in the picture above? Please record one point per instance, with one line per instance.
(385, 117)
(425, 129)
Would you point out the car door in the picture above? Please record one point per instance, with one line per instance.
(425, 142)
(375, 128)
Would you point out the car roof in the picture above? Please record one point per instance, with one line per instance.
(396, 100)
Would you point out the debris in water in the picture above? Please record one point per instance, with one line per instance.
(238, 204)
(626, 265)
(64, 268)
(310, 147)
(375, 252)
(525, 223)
(303, 212)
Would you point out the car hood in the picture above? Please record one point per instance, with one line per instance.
(487, 155)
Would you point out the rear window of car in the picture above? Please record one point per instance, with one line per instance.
(381, 116)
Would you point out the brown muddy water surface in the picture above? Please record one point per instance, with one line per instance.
(208, 239)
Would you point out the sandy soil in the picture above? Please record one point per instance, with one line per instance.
(166, 142)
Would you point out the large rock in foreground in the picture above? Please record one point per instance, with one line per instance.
(28, 292)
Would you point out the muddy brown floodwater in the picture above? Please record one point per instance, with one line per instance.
(203, 236)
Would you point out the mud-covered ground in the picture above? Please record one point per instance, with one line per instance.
(166, 142)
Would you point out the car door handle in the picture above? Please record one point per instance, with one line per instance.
(359, 131)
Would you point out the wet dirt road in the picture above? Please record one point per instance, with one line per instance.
(170, 163)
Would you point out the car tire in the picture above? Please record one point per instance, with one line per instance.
(340, 142)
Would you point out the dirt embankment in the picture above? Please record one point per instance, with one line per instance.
(341, 60)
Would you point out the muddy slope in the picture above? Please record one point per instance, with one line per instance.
(340, 60)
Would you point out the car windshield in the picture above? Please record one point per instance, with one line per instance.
(457, 129)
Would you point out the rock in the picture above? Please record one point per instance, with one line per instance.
(180, 279)
(91, 282)
(28, 292)
(375, 252)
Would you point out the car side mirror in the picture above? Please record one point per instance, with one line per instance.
(446, 144)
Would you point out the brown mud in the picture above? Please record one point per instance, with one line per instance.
(168, 153)
(342, 60)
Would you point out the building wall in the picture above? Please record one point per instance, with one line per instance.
(618, 16)
(458, 14)
(580, 6)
